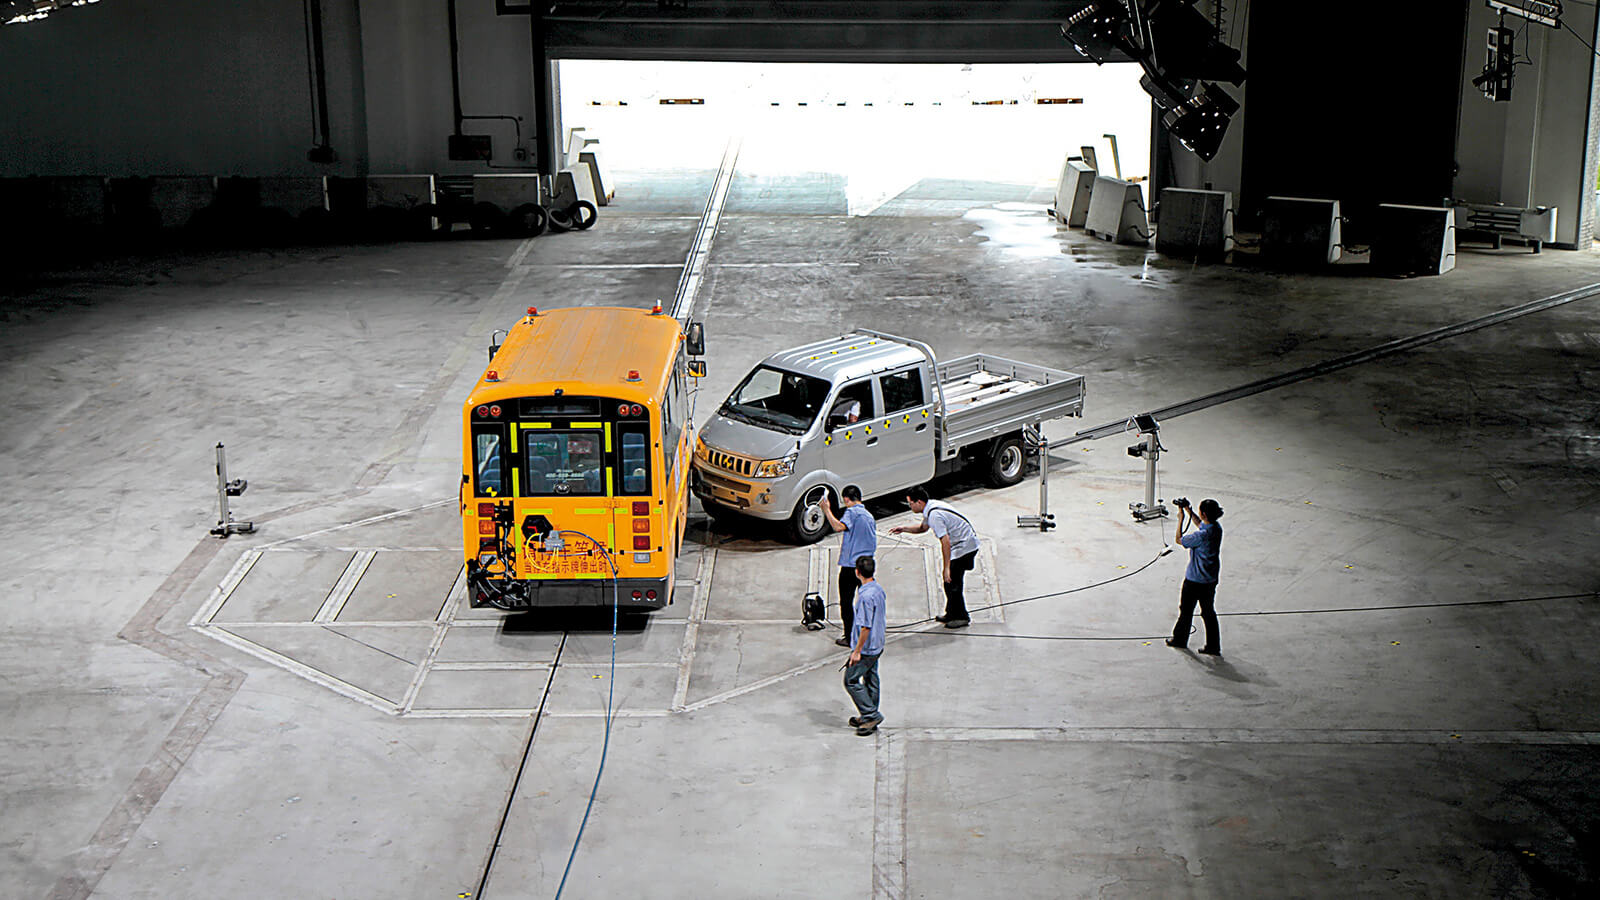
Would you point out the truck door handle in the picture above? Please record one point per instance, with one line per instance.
(871, 441)
(923, 427)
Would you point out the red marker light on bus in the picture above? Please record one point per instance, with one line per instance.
(637, 595)
(622, 409)
(491, 375)
(655, 310)
(638, 410)
(483, 412)
(533, 311)
(486, 509)
(641, 542)
(494, 411)
(650, 595)
(633, 374)
(641, 507)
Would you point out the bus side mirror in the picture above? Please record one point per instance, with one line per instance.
(697, 368)
(695, 342)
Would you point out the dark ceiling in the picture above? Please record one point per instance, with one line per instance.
(1015, 31)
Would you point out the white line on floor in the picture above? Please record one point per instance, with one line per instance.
(367, 521)
(691, 633)
(889, 819)
(1247, 736)
(225, 589)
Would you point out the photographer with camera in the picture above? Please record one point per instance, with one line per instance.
(1200, 579)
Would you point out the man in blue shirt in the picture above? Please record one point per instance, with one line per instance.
(861, 673)
(1200, 580)
(860, 539)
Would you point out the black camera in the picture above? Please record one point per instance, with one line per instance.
(1182, 501)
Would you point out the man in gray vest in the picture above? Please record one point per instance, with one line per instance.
(958, 546)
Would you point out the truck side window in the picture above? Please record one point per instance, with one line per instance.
(854, 404)
(902, 391)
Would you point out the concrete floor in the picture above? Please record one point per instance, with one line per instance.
(1394, 716)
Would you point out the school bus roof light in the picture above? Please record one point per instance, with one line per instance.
(533, 312)
(655, 310)
(633, 374)
(491, 375)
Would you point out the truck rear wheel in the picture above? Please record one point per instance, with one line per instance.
(1007, 463)
(807, 524)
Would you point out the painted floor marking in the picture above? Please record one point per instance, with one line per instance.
(450, 617)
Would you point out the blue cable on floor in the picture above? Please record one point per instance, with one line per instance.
(610, 692)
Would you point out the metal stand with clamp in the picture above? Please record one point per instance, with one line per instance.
(1033, 438)
(1151, 451)
(225, 489)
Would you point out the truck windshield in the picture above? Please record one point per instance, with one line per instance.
(773, 398)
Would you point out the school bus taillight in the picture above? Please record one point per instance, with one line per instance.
(641, 507)
(486, 526)
(486, 510)
(641, 526)
(641, 542)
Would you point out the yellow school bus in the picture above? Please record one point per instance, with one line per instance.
(575, 461)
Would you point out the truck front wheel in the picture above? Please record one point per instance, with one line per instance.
(1006, 464)
(807, 524)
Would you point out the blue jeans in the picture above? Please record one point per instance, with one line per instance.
(861, 680)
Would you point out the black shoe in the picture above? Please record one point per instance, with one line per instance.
(855, 722)
(1210, 651)
(843, 642)
(1173, 643)
(868, 726)
(957, 623)
(941, 619)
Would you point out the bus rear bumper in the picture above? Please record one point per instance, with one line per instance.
(631, 593)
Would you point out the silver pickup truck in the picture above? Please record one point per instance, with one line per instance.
(871, 410)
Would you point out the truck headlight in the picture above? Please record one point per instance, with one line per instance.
(699, 447)
(774, 468)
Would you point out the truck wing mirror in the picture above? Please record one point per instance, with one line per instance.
(697, 368)
(695, 341)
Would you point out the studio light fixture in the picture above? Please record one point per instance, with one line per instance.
(1099, 30)
(1199, 122)
(1182, 58)
(15, 12)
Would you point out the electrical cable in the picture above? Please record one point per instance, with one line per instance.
(610, 694)
(1580, 38)
(1164, 552)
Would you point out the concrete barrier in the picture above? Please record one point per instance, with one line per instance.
(508, 191)
(175, 199)
(602, 193)
(574, 183)
(1117, 212)
(294, 195)
(400, 191)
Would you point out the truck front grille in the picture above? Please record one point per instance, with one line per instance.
(736, 464)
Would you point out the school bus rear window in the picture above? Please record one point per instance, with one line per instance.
(488, 452)
(635, 441)
(565, 464)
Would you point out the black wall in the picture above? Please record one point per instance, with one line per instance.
(1354, 101)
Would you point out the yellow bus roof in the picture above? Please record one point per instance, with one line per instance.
(584, 350)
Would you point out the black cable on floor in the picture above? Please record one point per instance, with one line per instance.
(1046, 596)
(527, 750)
(611, 690)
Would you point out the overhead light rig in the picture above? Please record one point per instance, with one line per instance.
(1182, 58)
(15, 12)
(1501, 60)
